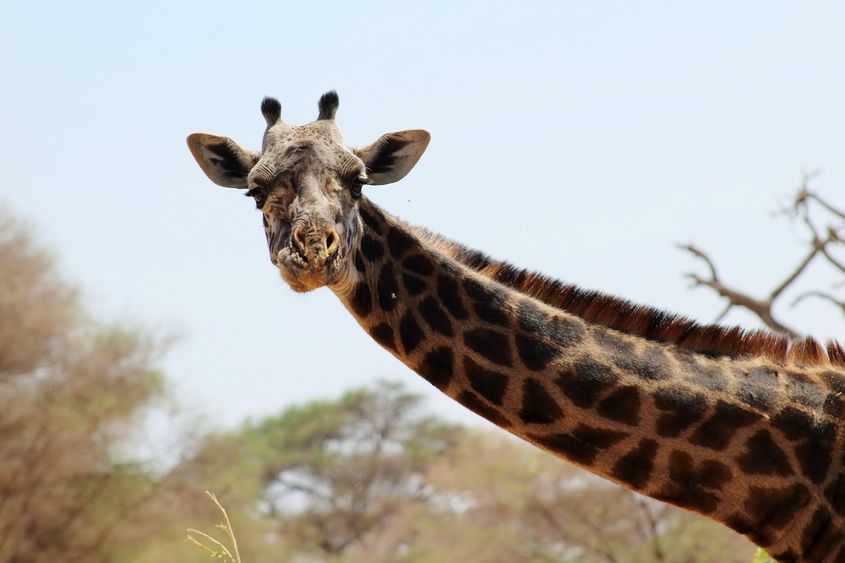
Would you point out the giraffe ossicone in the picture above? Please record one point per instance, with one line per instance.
(745, 428)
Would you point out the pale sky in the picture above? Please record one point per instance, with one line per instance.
(579, 138)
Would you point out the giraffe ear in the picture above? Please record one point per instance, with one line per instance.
(222, 159)
(393, 155)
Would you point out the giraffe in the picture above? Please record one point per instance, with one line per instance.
(741, 427)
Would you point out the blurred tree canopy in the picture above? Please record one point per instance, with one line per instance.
(369, 478)
(70, 392)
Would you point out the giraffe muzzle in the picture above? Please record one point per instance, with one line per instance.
(310, 260)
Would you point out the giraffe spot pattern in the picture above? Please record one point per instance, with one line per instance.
(370, 221)
(793, 423)
(762, 375)
(775, 507)
(684, 488)
(362, 300)
(761, 398)
(649, 366)
(490, 344)
(835, 381)
(621, 405)
(538, 407)
(835, 494)
(610, 340)
(438, 367)
(787, 555)
(447, 291)
(815, 454)
(585, 382)
(762, 456)
(582, 445)
(418, 264)
(761, 536)
(490, 384)
(708, 377)
(535, 354)
(560, 330)
(713, 474)
(383, 334)
(834, 406)
(474, 403)
(816, 538)
(413, 285)
(410, 332)
(489, 304)
(360, 264)
(717, 431)
(681, 409)
(371, 248)
(399, 242)
(434, 316)
(740, 523)
(635, 467)
(804, 390)
(387, 289)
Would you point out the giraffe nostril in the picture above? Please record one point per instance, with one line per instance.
(332, 242)
(299, 237)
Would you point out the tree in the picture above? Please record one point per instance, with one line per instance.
(824, 244)
(324, 477)
(70, 391)
(367, 478)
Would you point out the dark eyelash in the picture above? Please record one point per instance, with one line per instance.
(259, 195)
(356, 183)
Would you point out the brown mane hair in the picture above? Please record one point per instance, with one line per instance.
(639, 320)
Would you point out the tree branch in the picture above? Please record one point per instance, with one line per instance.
(821, 243)
(760, 307)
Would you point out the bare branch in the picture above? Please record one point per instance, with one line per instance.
(820, 295)
(698, 253)
(822, 243)
(833, 261)
(790, 279)
(736, 298)
(830, 208)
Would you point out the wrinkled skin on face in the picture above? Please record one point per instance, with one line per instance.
(307, 184)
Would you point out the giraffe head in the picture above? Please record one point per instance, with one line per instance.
(307, 184)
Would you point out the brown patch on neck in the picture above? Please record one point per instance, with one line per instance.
(638, 320)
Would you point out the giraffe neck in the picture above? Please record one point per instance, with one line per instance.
(748, 442)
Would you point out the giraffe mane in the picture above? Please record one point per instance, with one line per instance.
(641, 320)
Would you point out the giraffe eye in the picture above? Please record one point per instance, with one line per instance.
(259, 195)
(357, 183)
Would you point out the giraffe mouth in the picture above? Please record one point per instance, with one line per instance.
(302, 275)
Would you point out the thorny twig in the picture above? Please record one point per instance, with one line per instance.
(821, 244)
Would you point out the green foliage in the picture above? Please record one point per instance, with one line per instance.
(762, 557)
